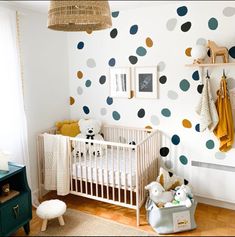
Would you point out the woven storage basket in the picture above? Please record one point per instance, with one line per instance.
(79, 15)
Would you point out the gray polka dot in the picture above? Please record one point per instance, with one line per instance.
(231, 83)
(172, 95)
(171, 24)
(91, 63)
(103, 111)
(220, 155)
(168, 164)
(161, 66)
(229, 11)
(155, 120)
(79, 90)
(201, 41)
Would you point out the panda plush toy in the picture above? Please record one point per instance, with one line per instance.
(90, 129)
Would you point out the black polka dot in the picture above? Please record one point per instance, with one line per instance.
(102, 79)
(113, 33)
(163, 79)
(232, 52)
(133, 59)
(200, 88)
(164, 151)
(141, 113)
(186, 26)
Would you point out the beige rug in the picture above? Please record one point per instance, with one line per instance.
(81, 224)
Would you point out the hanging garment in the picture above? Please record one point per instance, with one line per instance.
(206, 109)
(224, 129)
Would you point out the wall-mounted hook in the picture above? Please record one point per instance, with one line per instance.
(207, 74)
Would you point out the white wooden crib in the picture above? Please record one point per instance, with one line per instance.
(118, 172)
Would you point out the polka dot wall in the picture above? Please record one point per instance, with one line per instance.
(162, 39)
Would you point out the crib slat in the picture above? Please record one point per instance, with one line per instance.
(107, 171)
(119, 171)
(80, 165)
(74, 160)
(85, 156)
(102, 173)
(96, 169)
(125, 177)
(131, 185)
(113, 173)
(91, 168)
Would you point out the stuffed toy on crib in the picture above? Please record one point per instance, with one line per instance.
(90, 129)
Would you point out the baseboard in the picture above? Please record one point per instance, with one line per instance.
(217, 203)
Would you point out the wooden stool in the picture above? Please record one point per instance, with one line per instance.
(49, 210)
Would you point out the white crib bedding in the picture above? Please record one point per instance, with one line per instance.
(105, 167)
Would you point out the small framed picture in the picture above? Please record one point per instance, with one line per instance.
(146, 82)
(120, 83)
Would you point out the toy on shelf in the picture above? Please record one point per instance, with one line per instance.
(6, 189)
(198, 53)
(216, 50)
(158, 194)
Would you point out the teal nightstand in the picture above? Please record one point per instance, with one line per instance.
(17, 211)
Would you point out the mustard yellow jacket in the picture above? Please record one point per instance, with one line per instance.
(224, 129)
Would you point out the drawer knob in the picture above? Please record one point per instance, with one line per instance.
(16, 211)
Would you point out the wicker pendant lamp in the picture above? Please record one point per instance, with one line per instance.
(79, 15)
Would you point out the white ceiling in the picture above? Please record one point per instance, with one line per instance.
(42, 6)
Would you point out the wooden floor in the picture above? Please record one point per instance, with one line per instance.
(211, 221)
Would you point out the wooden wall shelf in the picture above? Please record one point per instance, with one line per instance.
(210, 64)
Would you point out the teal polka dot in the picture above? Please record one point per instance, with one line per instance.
(166, 112)
(116, 115)
(175, 139)
(213, 23)
(183, 159)
(115, 14)
(210, 144)
(141, 51)
(184, 85)
(195, 76)
(182, 11)
(88, 83)
(133, 29)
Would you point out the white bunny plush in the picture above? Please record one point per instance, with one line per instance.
(182, 196)
(158, 194)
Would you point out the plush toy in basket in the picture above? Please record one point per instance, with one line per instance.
(90, 129)
(170, 210)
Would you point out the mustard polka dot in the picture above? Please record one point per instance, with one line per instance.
(79, 75)
(149, 42)
(72, 100)
(186, 123)
(188, 52)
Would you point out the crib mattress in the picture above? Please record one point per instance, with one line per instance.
(107, 169)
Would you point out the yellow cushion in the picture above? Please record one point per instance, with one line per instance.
(68, 128)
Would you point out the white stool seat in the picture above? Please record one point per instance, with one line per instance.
(51, 209)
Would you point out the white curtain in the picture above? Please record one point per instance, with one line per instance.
(13, 126)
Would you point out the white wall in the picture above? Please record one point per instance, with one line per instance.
(46, 84)
(169, 47)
